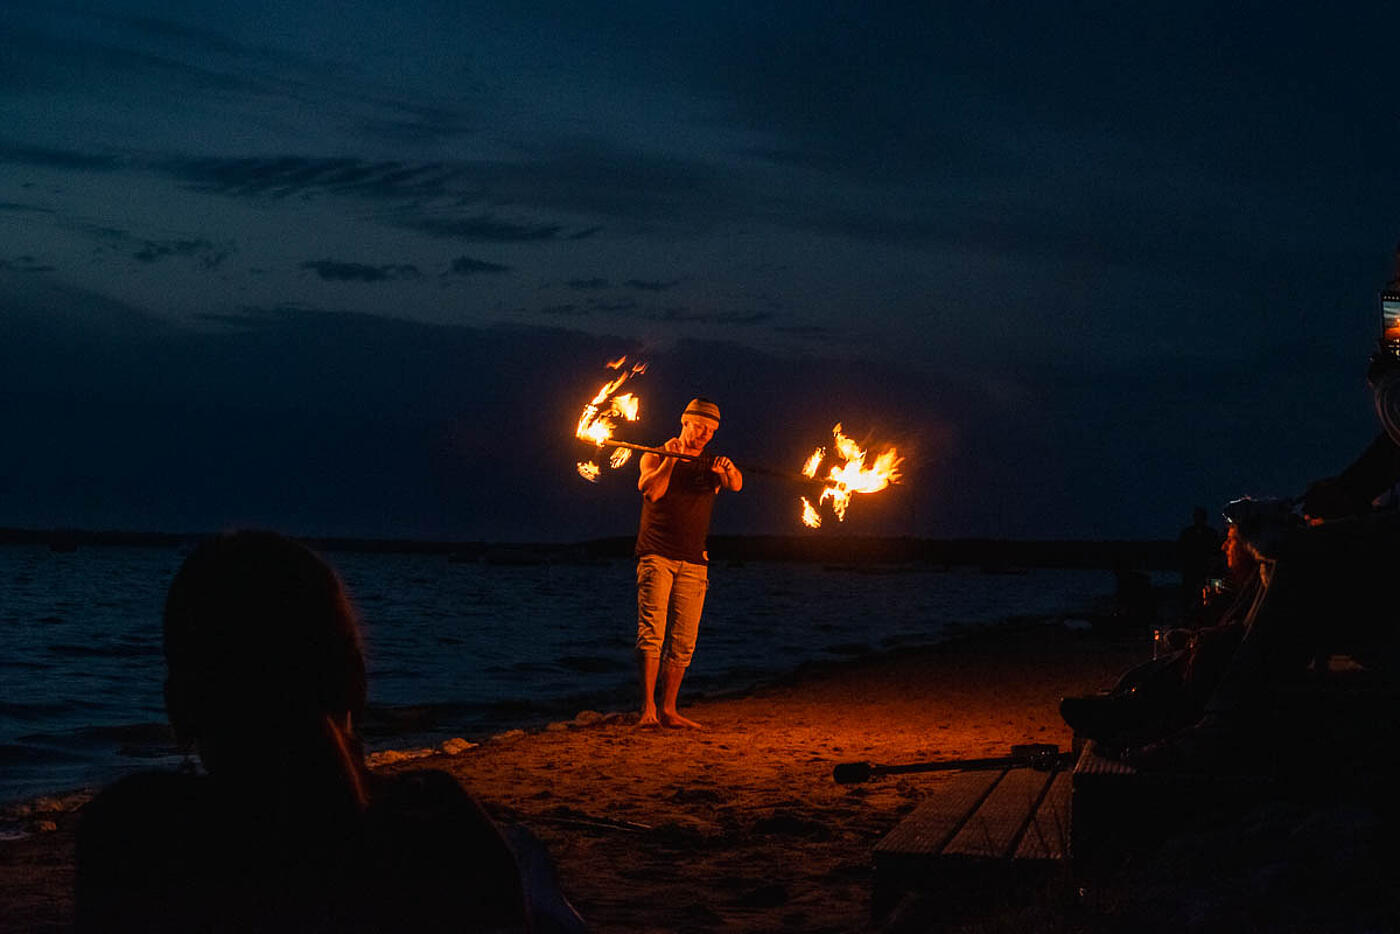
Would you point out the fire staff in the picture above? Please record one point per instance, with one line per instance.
(672, 562)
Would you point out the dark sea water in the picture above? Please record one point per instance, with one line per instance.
(454, 649)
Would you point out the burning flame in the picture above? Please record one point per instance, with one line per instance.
(849, 476)
(600, 417)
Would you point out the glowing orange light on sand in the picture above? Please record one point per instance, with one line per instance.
(849, 476)
(600, 417)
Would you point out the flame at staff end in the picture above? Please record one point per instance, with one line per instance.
(848, 477)
(601, 416)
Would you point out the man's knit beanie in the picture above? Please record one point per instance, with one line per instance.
(703, 408)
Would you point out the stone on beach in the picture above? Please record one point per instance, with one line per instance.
(456, 746)
(394, 756)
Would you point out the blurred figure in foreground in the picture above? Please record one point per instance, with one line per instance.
(286, 829)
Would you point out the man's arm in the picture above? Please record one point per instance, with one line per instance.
(655, 478)
(729, 476)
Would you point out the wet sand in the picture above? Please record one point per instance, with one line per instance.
(739, 827)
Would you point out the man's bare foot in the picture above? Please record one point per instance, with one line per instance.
(674, 719)
(648, 718)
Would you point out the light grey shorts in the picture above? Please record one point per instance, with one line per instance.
(670, 598)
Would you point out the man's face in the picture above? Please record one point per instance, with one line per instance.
(696, 432)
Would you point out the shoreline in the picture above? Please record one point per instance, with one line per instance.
(416, 728)
(450, 742)
(747, 807)
(829, 549)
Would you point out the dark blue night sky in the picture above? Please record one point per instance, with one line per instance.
(352, 269)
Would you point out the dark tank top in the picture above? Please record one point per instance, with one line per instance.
(675, 525)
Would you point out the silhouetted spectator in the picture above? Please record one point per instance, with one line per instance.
(1171, 691)
(1327, 585)
(287, 830)
(1198, 556)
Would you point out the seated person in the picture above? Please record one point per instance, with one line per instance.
(286, 829)
(1238, 568)
(1170, 692)
(1218, 598)
(1330, 573)
(1325, 577)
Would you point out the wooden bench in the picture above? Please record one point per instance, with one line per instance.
(972, 830)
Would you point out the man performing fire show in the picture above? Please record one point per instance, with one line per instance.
(672, 561)
(678, 486)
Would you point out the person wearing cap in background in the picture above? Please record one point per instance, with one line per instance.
(672, 562)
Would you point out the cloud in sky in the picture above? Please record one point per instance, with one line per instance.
(21, 154)
(25, 264)
(970, 196)
(304, 176)
(336, 271)
(485, 228)
(624, 305)
(466, 266)
(23, 208)
(681, 313)
(209, 255)
(360, 424)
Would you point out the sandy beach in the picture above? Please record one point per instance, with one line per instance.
(739, 827)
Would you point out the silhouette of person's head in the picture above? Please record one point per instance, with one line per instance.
(1199, 516)
(263, 654)
(288, 831)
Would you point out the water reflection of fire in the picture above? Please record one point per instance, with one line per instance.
(600, 417)
(848, 476)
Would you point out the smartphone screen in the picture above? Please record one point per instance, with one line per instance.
(1390, 320)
